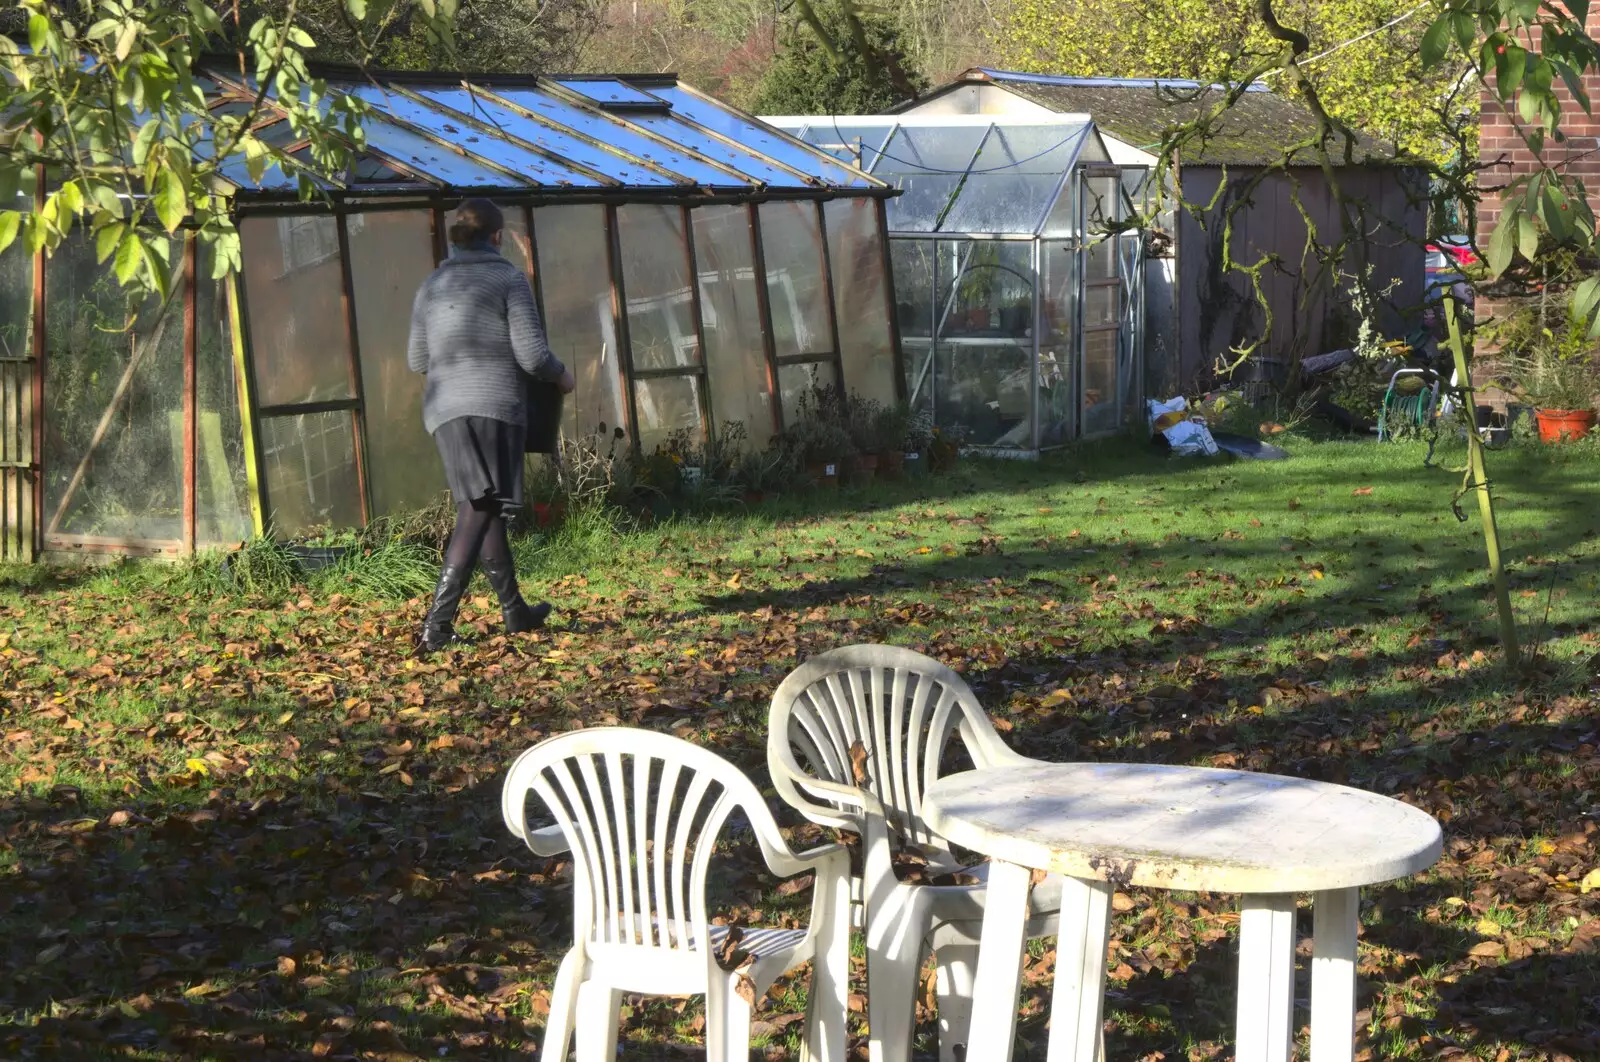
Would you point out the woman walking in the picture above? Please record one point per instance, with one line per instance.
(474, 329)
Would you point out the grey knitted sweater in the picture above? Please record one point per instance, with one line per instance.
(474, 323)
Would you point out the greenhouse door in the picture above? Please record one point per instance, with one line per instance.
(1106, 373)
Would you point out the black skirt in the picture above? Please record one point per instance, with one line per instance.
(482, 461)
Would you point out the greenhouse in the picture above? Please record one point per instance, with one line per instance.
(1019, 303)
(694, 269)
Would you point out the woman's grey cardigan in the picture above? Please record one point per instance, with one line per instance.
(474, 323)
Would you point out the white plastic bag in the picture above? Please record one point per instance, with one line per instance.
(1186, 434)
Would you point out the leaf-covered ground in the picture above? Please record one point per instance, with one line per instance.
(253, 828)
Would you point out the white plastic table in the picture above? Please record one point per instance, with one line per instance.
(1105, 826)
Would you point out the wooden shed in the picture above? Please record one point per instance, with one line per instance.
(1197, 312)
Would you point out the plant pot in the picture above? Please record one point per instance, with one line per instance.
(915, 464)
(1556, 425)
(543, 514)
(823, 473)
(863, 468)
(1013, 320)
(316, 558)
(891, 464)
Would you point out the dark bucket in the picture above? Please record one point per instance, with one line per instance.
(544, 416)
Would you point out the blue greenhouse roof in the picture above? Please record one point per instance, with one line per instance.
(542, 135)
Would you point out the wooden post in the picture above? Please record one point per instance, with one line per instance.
(1478, 482)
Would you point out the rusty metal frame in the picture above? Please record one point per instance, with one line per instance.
(769, 339)
(619, 314)
(833, 309)
(353, 356)
(191, 394)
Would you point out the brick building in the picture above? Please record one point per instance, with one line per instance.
(1501, 146)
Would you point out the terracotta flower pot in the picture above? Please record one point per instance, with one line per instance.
(823, 473)
(891, 464)
(863, 468)
(1556, 425)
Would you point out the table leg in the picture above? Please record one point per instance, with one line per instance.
(994, 999)
(1266, 978)
(1333, 975)
(1079, 998)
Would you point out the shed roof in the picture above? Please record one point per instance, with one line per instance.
(538, 135)
(1255, 130)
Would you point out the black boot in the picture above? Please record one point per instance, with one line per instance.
(439, 630)
(520, 617)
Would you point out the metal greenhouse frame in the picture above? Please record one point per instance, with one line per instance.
(1019, 291)
(694, 268)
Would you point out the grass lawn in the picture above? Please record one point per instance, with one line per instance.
(257, 826)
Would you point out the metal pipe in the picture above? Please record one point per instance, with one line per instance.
(769, 339)
(347, 299)
(355, 200)
(707, 410)
(833, 313)
(619, 310)
(191, 394)
(35, 538)
(891, 306)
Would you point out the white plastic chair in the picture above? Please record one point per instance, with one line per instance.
(641, 813)
(902, 707)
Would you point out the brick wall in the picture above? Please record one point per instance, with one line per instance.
(1499, 143)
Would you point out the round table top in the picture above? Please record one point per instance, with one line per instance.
(1189, 828)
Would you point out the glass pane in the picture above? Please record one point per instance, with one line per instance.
(1102, 304)
(985, 348)
(667, 404)
(1063, 219)
(1101, 259)
(1035, 149)
(311, 472)
(1002, 202)
(591, 125)
(745, 162)
(16, 294)
(575, 290)
(735, 353)
(1058, 340)
(514, 240)
(923, 200)
(655, 276)
(391, 254)
(433, 159)
(222, 486)
(113, 441)
(800, 379)
(1100, 412)
(606, 90)
(933, 149)
(860, 295)
(842, 139)
(983, 390)
(293, 290)
(915, 291)
(530, 166)
(793, 248)
(744, 131)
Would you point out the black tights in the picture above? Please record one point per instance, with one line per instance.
(480, 532)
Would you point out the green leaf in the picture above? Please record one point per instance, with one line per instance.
(1527, 237)
(1501, 245)
(1436, 42)
(1579, 10)
(106, 240)
(1556, 213)
(71, 200)
(10, 225)
(1528, 105)
(1509, 71)
(38, 33)
(129, 257)
(1585, 298)
(357, 9)
(1465, 29)
(10, 180)
(170, 201)
(127, 38)
(104, 28)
